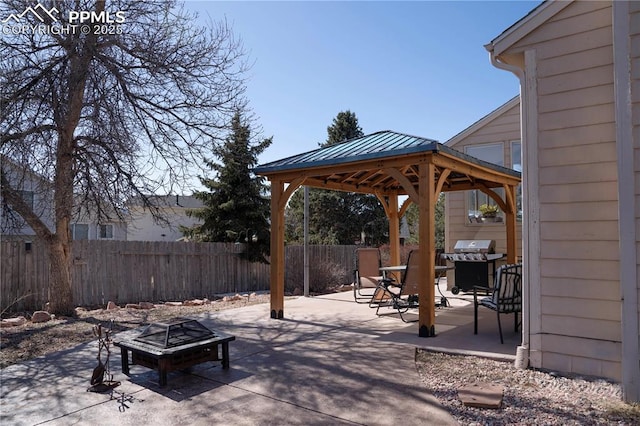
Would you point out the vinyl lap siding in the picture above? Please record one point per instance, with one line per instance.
(635, 87)
(503, 129)
(579, 326)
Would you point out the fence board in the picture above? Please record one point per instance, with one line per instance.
(134, 271)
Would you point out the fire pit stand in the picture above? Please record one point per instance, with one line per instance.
(175, 345)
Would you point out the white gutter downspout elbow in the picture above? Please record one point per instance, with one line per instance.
(522, 352)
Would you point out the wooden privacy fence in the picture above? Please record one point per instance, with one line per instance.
(134, 271)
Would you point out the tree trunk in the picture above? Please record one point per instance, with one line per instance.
(60, 291)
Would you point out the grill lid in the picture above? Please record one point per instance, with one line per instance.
(475, 246)
(175, 332)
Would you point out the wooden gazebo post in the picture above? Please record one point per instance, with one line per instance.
(510, 218)
(394, 228)
(426, 235)
(277, 249)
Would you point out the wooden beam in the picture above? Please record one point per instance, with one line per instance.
(404, 182)
(426, 234)
(277, 250)
(405, 205)
(364, 165)
(394, 230)
(444, 175)
(346, 187)
(495, 197)
(510, 218)
(471, 169)
(289, 192)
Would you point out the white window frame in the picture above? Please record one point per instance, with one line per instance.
(476, 220)
(99, 231)
(73, 230)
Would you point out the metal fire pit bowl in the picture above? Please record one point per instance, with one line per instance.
(177, 344)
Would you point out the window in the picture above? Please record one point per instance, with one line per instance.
(80, 231)
(478, 201)
(27, 197)
(105, 232)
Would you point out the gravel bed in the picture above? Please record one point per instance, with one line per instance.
(530, 397)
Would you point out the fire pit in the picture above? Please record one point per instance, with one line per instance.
(174, 345)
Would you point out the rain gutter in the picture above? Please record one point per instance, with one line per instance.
(522, 351)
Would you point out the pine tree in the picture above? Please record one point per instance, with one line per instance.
(236, 208)
(337, 217)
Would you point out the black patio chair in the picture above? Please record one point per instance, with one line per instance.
(506, 297)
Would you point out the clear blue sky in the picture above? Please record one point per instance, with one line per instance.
(413, 67)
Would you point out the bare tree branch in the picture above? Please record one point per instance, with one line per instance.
(108, 116)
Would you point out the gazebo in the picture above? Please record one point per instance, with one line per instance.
(389, 165)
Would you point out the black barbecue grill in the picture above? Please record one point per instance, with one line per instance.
(475, 263)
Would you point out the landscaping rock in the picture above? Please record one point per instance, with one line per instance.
(40, 316)
(13, 322)
(173, 303)
(112, 306)
(132, 306)
(146, 305)
(232, 298)
(481, 395)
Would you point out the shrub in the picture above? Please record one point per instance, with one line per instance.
(323, 278)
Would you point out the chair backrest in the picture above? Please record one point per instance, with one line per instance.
(368, 264)
(507, 288)
(411, 274)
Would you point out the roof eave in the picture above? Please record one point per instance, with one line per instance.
(524, 26)
(484, 121)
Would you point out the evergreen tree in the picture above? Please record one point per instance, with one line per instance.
(337, 217)
(412, 216)
(236, 208)
(344, 127)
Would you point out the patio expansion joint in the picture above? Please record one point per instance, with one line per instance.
(284, 401)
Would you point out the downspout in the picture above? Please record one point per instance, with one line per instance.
(522, 351)
(623, 87)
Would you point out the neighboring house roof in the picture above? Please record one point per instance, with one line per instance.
(25, 171)
(484, 121)
(172, 201)
(526, 25)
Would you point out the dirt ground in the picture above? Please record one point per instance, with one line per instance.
(31, 340)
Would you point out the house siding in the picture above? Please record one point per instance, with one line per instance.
(634, 19)
(504, 128)
(579, 324)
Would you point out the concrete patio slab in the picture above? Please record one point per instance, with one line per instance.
(329, 361)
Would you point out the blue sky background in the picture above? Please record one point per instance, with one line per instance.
(413, 67)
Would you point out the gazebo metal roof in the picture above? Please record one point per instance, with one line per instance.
(328, 167)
